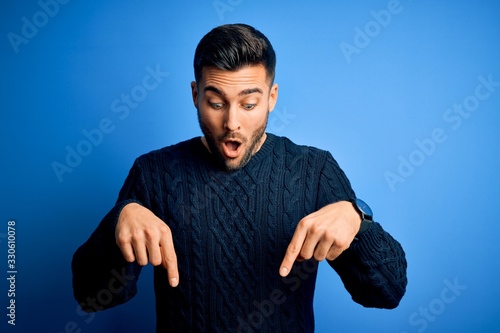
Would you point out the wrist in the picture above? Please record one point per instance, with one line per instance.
(365, 214)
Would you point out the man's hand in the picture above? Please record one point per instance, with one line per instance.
(141, 235)
(325, 233)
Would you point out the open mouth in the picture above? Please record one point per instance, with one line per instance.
(231, 148)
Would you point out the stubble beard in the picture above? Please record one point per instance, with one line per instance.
(212, 142)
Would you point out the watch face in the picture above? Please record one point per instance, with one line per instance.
(363, 206)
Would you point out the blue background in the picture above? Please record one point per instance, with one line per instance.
(375, 107)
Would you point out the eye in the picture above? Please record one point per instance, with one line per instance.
(216, 106)
(249, 107)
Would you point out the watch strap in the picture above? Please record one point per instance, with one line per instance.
(366, 215)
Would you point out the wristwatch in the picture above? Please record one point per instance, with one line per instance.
(366, 215)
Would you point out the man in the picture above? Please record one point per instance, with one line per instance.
(235, 222)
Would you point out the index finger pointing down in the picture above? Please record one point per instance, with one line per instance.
(292, 251)
(169, 259)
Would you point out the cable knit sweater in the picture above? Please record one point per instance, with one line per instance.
(230, 232)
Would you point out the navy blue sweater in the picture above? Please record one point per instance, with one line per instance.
(230, 232)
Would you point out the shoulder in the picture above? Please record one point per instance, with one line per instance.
(172, 153)
(175, 149)
(293, 156)
(290, 148)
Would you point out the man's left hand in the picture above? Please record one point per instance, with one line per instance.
(324, 234)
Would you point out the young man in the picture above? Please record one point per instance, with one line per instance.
(235, 222)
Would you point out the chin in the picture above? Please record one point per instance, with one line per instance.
(232, 165)
(236, 164)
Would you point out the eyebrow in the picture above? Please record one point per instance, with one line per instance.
(250, 91)
(242, 93)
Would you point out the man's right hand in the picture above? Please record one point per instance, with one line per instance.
(143, 237)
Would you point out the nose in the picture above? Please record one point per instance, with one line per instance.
(231, 121)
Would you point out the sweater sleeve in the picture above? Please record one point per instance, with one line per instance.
(373, 268)
(101, 277)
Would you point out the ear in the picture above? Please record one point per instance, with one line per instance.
(194, 93)
(273, 97)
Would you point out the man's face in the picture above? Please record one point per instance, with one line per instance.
(233, 108)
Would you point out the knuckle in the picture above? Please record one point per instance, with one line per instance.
(128, 257)
(122, 239)
(331, 257)
(333, 254)
(294, 248)
(329, 236)
(155, 261)
(305, 222)
(147, 232)
(170, 257)
(142, 262)
(316, 229)
(319, 257)
(342, 244)
(305, 255)
(164, 230)
(149, 235)
(137, 235)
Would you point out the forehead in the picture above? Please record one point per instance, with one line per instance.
(233, 82)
